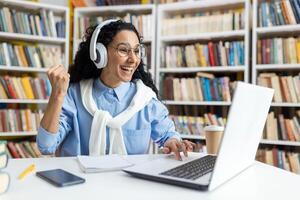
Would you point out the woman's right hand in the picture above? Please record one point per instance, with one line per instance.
(59, 79)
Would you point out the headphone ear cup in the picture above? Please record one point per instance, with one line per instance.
(101, 52)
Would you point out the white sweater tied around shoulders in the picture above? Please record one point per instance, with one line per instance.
(101, 118)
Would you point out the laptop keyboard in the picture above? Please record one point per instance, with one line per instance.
(194, 169)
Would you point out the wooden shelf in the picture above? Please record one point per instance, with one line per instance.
(202, 69)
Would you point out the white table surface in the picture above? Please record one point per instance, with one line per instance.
(260, 181)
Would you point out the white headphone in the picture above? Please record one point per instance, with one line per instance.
(98, 52)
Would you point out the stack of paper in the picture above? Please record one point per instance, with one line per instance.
(90, 164)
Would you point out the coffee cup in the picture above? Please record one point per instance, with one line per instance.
(213, 136)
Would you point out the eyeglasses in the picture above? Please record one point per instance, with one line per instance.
(124, 50)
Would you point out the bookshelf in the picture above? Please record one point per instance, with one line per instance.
(274, 63)
(85, 16)
(199, 14)
(40, 31)
(274, 31)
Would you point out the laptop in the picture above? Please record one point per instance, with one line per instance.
(246, 119)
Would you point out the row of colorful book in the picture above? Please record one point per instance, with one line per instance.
(201, 22)
(87, 3)
(281, 128)
(38, 56)
(24, 149)
(280, 158)
(25, 87)
(197, 89)
(191, 125)
(16, 120)
(204, 55)
(279, 12)
(43, 24)
(142, 22)
(287, 88)
(278, 51)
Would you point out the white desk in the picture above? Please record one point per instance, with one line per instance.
(258, 182)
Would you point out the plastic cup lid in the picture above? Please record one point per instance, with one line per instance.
(213, 128)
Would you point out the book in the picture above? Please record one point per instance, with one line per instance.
(4, 177)
(2, 146)
(3, 160)
(92, 164)
(4, 180)
(13, 150)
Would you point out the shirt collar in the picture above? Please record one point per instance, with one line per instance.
(119, 91)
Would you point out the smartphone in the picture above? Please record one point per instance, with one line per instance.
(59, 177)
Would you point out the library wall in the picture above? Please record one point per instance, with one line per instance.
(196, 52)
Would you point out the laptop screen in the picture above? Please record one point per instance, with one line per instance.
(246, 119)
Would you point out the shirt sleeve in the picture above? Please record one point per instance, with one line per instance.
(162, 127)
(48, 142)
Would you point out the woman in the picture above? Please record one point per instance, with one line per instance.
(111, 105)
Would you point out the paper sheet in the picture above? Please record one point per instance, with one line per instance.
(102, 163)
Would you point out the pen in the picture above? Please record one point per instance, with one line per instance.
(28, 170)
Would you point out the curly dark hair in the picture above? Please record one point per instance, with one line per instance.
(84, 68)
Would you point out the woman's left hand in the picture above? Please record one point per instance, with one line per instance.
(174, 145)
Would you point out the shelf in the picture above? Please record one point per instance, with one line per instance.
(280, 142)
(23, 69)
(285, 104)
(212, 103)
(145, 40)
(34, 6)
(203, 36)
(117, 9)
(21, 133)
(192, 5)
(198, 137)
(191, 8)
(21, 101)
(32, 38)
(278, 67)
(278, 29)
(263, 141)
(202, 69)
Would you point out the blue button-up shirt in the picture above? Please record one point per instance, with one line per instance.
(75, 122)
